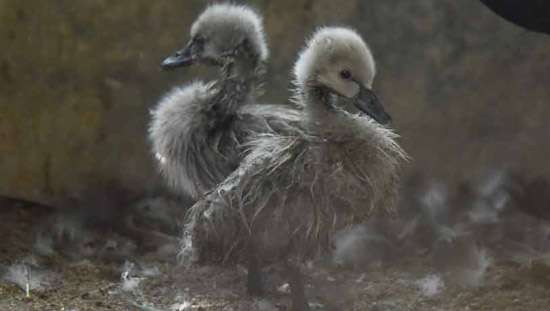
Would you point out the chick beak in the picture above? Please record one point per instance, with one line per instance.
(182, 58)
(368, 102)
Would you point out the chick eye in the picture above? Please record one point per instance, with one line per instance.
(345, 74)
(199, 39)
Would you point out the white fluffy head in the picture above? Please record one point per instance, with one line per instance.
(225, 26)
(329, 52)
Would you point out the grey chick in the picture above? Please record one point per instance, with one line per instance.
(198, 130)
(292, 192)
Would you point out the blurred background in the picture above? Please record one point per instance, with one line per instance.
(468, 90)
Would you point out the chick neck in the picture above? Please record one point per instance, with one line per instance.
(240, 80)
(242, 65)
(323, 117)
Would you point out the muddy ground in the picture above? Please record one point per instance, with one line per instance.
(96, 284)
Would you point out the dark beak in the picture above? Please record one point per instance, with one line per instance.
(367, 102)
(182, 58)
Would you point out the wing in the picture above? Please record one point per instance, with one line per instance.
(219, 225)
(191, 157)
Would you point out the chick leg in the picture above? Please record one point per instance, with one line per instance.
(254, 286)
(297, 289)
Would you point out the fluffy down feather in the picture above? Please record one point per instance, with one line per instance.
(292, 192)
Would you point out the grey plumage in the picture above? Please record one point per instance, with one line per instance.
(292, 192)
(198, 131)
(299, 190)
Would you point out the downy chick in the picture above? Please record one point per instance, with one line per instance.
(198, 130)
(292, 192)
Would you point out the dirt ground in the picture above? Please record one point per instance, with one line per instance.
(82, 285)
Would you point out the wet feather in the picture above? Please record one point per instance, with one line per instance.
(292, 192)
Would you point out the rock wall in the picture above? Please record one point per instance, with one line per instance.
(467, 90)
